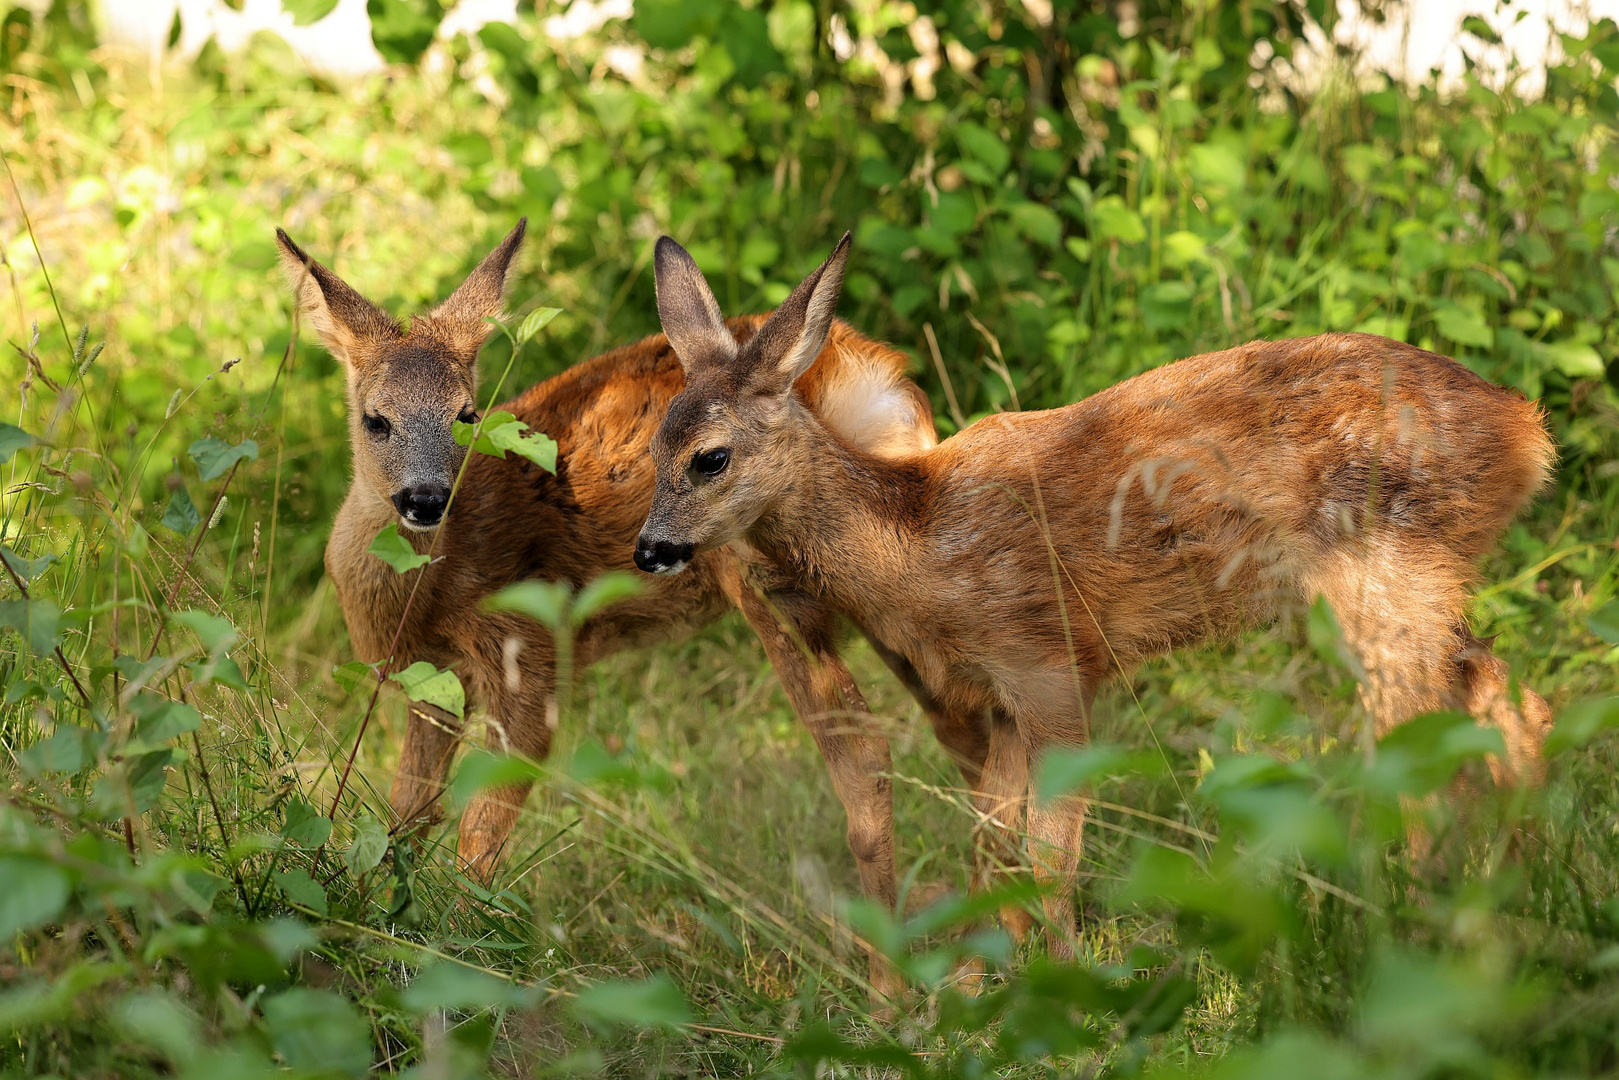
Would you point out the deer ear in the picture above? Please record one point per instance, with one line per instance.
(346, 321)
(459, 322)
(687, 308)
(792, 338)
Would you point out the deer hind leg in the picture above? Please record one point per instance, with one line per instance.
(430, 742)
(1486, 691)
(798, 634)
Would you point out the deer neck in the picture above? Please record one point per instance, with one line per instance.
(845, 523)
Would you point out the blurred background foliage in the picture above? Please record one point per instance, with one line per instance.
(1046, 198)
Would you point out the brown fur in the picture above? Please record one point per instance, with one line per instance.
(511, 521)
(1020, 563)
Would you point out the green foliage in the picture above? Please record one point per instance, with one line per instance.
(1051, 207)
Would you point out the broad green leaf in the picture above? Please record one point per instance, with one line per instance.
(1604, 623)
(287, 938)
(610, 588)
(395, 550)
(1573, 359)
(424, 682)
(1065, 771)
(1111, 219)
(369, 846)
(216, 633)
(536, 321)
(157, 1019)
(12, 439)
(1581, 722)
(38, 621)
(302, 889)
(500, 432)
(304, 12)
(546, 602)
(158, 721)
(306, 826)
(181, 514)
(35, 892)
(982, 144)
(1464, 327)
(654, 1002)
(352, 674)
(318, 1032)
(68, 750)
(480, 770)
(27, 569)
(455, 987)
(218, 669)
(214, 458)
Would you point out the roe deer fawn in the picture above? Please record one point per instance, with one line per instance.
(1022, 561)
(511, 521)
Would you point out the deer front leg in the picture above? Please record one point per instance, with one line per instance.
(797, 633)
(514, 670)
(430, 741)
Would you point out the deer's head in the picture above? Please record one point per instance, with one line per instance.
(406, 386)
(724, 451)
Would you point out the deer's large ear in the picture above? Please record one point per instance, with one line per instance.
(687, 308)
(459, 322)
(347, 322)
(792, 338)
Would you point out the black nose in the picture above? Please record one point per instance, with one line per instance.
(422, 504)
(662, 556)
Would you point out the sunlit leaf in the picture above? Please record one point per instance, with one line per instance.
(38, 621)
(306, 825)
(444, 985)
(214, 458)
(35, 892)
(352, 674)
(12, 439)
(1581, 722)
(302, 889)
(608, 589)
(546, 602)
(424, 682)
(500, 432)
(534, 322)
(216, 633)
(304, 12)
(395, 550)
(370, 844)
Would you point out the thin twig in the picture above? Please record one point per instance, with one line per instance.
(60, 657)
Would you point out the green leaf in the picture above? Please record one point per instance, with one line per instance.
(444, 985)
(1582, 722)
(1604, 623)
(318, 1032)
(214, 458)
(35, 892)
(68, 750)
(216, 633)
(302, 889)
(546, 602)
(305, 825)
(304, 12)
(181, 514)
(500, 432)
(1039, 223)
(159, 720)
(610, 588)
(1573, 359)
(403, 29)
(1064, 771)
(218, 669)
(27, 569)
(156, 1019)
(480, 770)
(38, 621)
(395, 550)
(979, 142)
(1464, 327)
(12, 439)
(369, 846)
(352, 674)
(1111, 219)
(534, 322)
(424, 682)
(654, 1002)
(1326, 635)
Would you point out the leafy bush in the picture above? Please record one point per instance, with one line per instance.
(1040, 209)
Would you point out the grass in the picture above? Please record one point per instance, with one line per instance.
(686, 908)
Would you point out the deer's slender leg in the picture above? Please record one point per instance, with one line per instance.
(430, 742)
(797, 632)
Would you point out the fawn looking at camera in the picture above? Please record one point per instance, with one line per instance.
(1018, 564)
(511, 520)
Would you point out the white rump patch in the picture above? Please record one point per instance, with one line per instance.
(869, 405)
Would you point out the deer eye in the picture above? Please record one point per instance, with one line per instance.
(711, 463)
(376, 425)
(469, 415)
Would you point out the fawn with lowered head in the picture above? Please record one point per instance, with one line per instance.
(511, 520)
(1021, 562)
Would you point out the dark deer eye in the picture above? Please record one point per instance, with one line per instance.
(712, 462)
(469, 415)
(376, 425)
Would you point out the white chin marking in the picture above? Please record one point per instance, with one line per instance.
(418, 527)
(672, 568)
